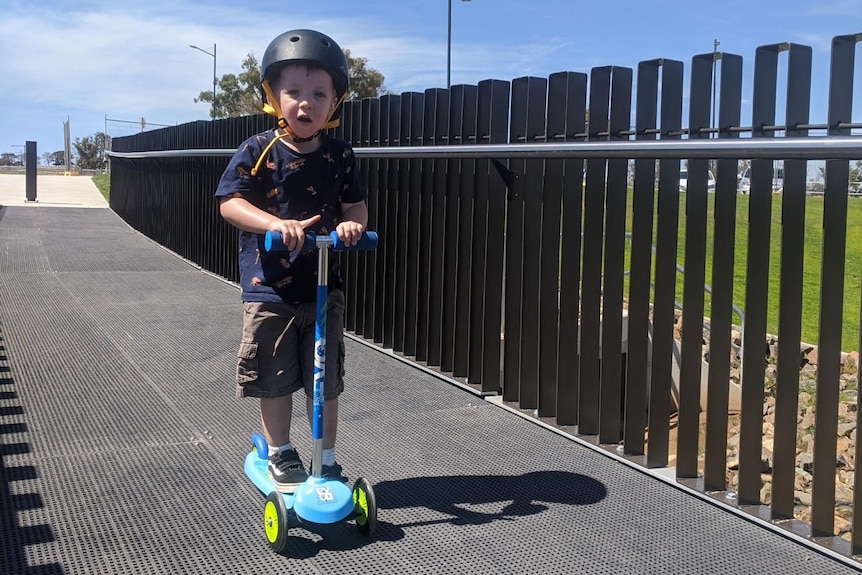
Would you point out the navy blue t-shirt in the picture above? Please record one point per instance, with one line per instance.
(291, 186)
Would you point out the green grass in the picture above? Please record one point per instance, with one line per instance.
(103, 182)
(811, 261)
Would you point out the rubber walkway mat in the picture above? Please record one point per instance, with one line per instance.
(122, 444)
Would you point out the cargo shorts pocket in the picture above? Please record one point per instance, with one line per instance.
(247, 366)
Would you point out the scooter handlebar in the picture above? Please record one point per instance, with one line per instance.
(274, 242)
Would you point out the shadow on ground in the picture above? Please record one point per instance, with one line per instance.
(15, 537)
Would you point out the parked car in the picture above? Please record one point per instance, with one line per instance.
(777, 181)
(683, 180)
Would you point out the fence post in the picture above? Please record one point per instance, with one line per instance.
(30, 170)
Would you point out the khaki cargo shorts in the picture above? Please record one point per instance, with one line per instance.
(276, 353)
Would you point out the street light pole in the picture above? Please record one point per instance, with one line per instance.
(215, 78)
(449, 47)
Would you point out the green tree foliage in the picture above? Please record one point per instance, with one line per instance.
(239, 94)
(57, 158)
(365, 82)
(8, 159)
(90, 151)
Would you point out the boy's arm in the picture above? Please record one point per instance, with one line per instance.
(242, 214)
(354, 218)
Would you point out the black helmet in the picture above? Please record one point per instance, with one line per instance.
(308, 47)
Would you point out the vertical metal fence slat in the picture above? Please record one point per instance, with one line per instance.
(438, 232)
(375, 261)
(568, 356)
(514, 247)
(643, 205)
(414, 232)
(793, 199)
(549, 280)
(534, 129)
(690, 375)
(760, 219)
(493, 128)
(616, 200)
(388, 288)
(468, 349)
(832, 292)
(365, 261)
(591, 283)
(451, 235)
(721, 303)
(402, 190)
(354, 316)
(667, 230)
(425, 216)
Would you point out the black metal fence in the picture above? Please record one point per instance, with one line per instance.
(519, 222)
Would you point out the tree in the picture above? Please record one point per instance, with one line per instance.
(239, 94)
(91, 151)
(364, 82)
(854, 179)
(57, 158)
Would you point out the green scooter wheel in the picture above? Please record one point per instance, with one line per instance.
(364, 506)
(275, 522)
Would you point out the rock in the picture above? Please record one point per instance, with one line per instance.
(843, 495)
(846, 429)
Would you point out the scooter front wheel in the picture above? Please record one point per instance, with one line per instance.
(275, 521)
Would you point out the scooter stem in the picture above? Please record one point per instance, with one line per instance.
(323, 244)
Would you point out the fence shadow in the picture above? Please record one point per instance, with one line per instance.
(14, 536)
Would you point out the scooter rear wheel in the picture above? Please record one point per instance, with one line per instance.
(365, 506)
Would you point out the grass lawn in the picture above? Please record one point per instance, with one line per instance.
(811, 265)
(103, 182)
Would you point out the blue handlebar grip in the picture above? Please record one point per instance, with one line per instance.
(368, 241)
(274, 242)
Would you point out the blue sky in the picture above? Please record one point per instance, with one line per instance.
(91, 59)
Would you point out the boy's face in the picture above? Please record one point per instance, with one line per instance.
(306, 97)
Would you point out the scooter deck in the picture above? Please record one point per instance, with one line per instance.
(316, 499)
(255, 470)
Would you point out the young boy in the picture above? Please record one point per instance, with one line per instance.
(293, 179)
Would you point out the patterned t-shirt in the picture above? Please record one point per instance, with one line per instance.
(292, 186)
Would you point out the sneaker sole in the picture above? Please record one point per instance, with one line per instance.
(288, 488)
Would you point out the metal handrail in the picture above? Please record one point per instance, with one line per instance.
(805, 148)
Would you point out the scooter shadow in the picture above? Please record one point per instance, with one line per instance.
(309, 539)
(514, 495)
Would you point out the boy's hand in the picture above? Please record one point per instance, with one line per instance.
(293, 231)
(350, 232)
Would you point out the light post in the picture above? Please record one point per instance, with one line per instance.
(215, 79)
(449, 48)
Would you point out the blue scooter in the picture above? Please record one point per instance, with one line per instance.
(317, 500)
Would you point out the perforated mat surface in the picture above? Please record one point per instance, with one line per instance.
(122, 444)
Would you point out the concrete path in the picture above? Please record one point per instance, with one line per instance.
(51, 190)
